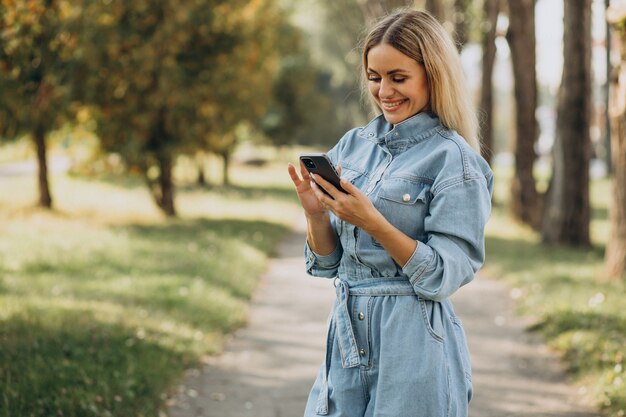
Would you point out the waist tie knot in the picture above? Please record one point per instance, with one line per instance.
(340, 324)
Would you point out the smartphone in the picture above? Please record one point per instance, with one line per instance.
(319, 164)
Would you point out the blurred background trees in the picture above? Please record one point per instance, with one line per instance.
(37, 55)
(156, 91)
(616, 248)
(160, 79)
(567, 209)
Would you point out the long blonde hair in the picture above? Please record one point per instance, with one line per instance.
(421, 37)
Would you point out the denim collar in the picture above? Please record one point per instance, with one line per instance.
(412, 130)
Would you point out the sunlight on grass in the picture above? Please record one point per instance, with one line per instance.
(561, 288)
(104, 302)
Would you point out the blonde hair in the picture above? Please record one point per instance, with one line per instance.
(421, 37)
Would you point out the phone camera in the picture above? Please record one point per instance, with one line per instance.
(308, 163)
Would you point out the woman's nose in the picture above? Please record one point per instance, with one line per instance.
(386, 89)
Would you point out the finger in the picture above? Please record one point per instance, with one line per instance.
(331, 189)
(339, 170)
(304, 172)
(322, 197)
(349, 187)
(294, 174)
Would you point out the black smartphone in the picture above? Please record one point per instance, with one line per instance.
(319, 164)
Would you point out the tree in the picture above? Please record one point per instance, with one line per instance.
(36, 58)
(490, 9)
(301, 110)
(241, 88)
(165, 76)
(567, 209)
(615, 257)
(525, 203)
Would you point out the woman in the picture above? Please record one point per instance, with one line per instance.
(407, 234)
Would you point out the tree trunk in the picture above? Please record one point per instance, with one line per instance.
(486, 89)
(225, 167)
(567, 210)
(201, 174)
(607, 119)
(39, 137)
(460, 18)
(166, 183)
(521, 38)
(615, 257)
(434, 7)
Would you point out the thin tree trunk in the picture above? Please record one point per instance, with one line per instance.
(486, 90)
(201, 174)
(167, 185)
(460, 22)
(607, 119)
(567, 210)
(39, 137)
(615, 257)
(525, 204)
(434, 7)
(225, 167)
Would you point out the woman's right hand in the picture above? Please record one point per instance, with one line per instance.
(311, 205)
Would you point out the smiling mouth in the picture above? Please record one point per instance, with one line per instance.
(392, 105)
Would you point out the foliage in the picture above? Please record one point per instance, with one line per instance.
(37, 57)
(168, 76)
(303, 108)
(35, 54)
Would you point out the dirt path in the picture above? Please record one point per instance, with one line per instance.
(269, 367)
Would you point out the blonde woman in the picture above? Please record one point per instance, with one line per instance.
(407, 233)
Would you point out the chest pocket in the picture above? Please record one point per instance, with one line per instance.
(356, 176)
(404, 203)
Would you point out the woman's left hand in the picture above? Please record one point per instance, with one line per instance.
(352, 206)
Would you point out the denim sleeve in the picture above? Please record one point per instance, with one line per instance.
(455, 245)
(322, 266)
(325, 266)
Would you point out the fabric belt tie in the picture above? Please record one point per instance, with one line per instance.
(340, 324)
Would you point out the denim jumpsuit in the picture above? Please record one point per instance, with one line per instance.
(394, 345)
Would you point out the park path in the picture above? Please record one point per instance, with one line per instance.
(268, 367)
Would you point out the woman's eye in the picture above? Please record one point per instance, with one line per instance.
(399, 80)
(372, 78)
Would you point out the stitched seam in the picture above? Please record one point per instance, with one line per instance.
(420, 273)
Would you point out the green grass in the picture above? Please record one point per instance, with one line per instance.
(104, 303)
(562, 289)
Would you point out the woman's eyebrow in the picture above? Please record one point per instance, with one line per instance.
(395, 71)
(391, 72)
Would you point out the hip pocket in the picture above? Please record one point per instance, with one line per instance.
(432, 314)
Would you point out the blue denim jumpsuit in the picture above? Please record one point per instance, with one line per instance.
(394, 346)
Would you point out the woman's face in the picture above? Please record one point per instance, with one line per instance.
(397, 83)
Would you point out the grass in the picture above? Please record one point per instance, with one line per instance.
(104, 303)
(580, 316)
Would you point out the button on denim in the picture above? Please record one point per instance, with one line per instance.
(395, 347)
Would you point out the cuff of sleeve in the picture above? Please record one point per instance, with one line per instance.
(322, 261)
(418, 263)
